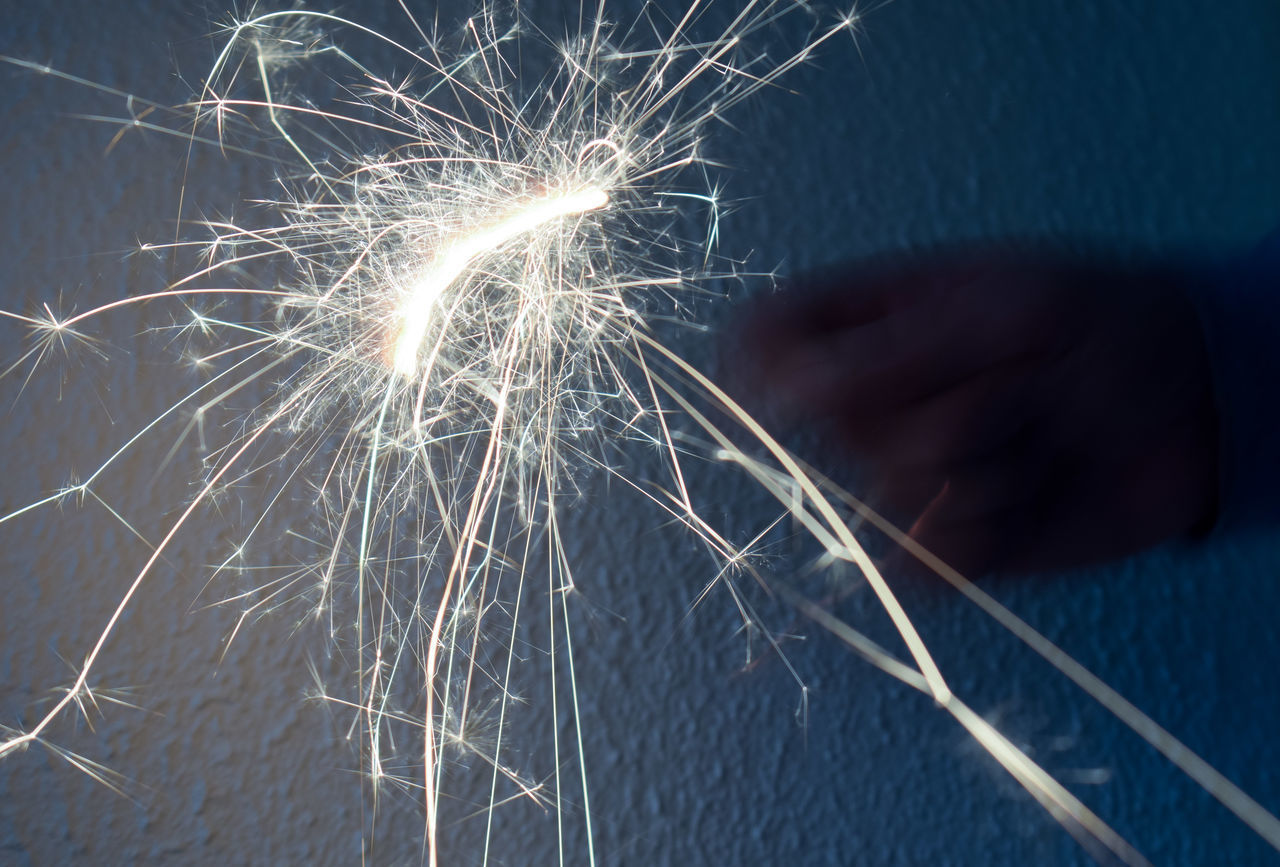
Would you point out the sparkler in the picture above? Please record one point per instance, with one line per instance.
(469, 264)
(469, 259)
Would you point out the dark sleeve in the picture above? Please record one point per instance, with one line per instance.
(1239, 308)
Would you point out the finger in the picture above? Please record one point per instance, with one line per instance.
(983, 510)
(1119, 506)
(925, 348)
(970, 546)
(1070, 512)
(956, 426)
(815, 304)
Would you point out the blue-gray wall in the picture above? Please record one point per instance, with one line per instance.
(1144, 124)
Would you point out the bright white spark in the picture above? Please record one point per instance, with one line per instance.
(449, 265)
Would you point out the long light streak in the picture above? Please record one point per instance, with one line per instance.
(447, 266)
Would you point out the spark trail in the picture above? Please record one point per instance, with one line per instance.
(453, 261)
(462, 264)
(465, 268)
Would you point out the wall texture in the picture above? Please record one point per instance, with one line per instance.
(1145, 125)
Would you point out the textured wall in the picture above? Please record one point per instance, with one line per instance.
(1144, 124)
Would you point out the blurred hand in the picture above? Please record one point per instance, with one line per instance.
(1020, 414)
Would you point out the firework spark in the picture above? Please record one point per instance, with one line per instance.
(457, 284)
(466, 261)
